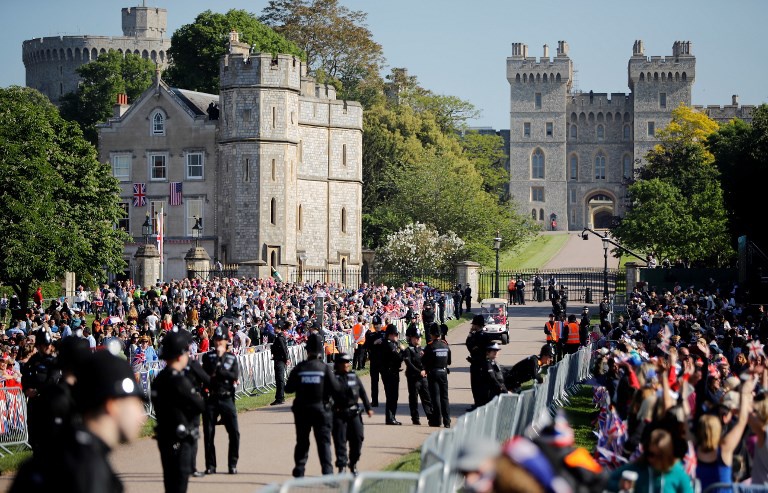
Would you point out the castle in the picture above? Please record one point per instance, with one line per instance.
(51, 62)
(267, 174)
(570, 153)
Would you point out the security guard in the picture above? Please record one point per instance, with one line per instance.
(391, 361)
(280, 359)
(38, 374)
(347, 419)
(416, 376)
(200, 381)
(176, 405)
(315, 385)
(437, 358)
(494, 376)
(571, 335)
(584, 325)
(477, 342)
(552, 331)
(113, 413)
(223, 369)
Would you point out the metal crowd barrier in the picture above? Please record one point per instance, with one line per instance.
(505, 416)
(13, 419)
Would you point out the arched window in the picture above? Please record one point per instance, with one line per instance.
(343, 220)
(600, 166)
(300, 218)
(274, 171)
(573, 167)
(600, 133)
(517, 78)
(537, 165)
(557, 77)
(344, 154)
(525, 77)
(574, 117)
(158, 123)
(273, 258)
(273, 211)
(684, 76)
(642, 76)
(541, 214)
(533, 214)
(574, 132)
(627, 132)
(627, 166)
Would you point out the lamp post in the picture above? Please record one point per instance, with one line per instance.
(497, 247)
(197, 229)
(605, 267)
(146, 230)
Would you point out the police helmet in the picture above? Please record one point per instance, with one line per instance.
(493, 347)
(478, 320)
(103, 376)
(434, 329)
(220, 334)
(174, 345)
(546, 350)
(42, 338)
(71, 352)
(314, 344)
(392, 330)
(412, 331)
(342, 358)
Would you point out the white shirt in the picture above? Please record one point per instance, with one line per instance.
(152, 321)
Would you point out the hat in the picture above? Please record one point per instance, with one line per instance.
(493, 347)
(220, 334)
(475, 452)
(412, 331)
(437, 330)
(546, 350)
(103, 376)
(478, 320)
(42, 337)
(730, 400)
(314, 344)
(174, 345)
(342, 358)
(392, 330)
(71, 352)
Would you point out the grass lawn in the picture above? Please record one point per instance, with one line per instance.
(10, 463)
(580, 413)
(533, 254)
(410, 462)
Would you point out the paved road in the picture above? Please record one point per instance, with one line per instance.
(579, 253)
(267, 434)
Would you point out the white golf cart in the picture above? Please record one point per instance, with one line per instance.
(494, 311)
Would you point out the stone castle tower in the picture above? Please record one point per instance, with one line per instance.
(51, 62)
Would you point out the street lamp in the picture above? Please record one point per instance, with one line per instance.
(197, 230)
(497, 247)
(146, 229)
(606, 244)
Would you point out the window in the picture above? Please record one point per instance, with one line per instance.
(274, 170)
(574, 167)
(274, 116)
(533, 214)
(541, 214)
(574, 132)
(301, 151)
(537, 194)
(247, 115)
(344, 154)
(651, 129)
(155, 208)
(158, 123)
(273, 211)
(663, 99)
(627, 166)
(550, 130)
(121, 167)
(526, 129)
(343, 220)
(537, 165)
(300, 218)
(194, 209)
(600, 166)
(158, 170)
(537, 102)
(627, 132)
(600, 133)
(573, 216)
(247, 170)
(124, 222)
(572, 195)
(195, 166)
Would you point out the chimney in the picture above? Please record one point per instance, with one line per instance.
(546, 51)
(735, 100)
(121, 106)
(525, 51)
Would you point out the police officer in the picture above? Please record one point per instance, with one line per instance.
(477, 342)
(391, 361)
(223, 370)
(39, 374)
(584, 324)
(437, 358)
(493, 374)
(315, 385)
(347, 419)
(416, 377)
(280, 358)
(374, 356)
(528, 369)
(200, 381)
(176, 404)
(112, 413)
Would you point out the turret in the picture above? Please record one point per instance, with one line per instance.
(144, 22)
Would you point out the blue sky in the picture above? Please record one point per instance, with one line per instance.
(460, 47)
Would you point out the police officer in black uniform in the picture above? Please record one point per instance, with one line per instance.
(494, 375)
(112, 412)
(224, 371)
(39, 374)
(391, 360)
(416, 377)
(477, 342)
(436, 359)
(347, 417)
(315, 385)
(176, 404)
(280, 358)
(584, 325)
(374, 356)
(200, 381)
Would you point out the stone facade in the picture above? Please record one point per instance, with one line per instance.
(282, 183)
(570, 153)
(51, 62)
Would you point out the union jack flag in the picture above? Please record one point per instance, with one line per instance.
(139, 194)
(755, 349)
(175, 193)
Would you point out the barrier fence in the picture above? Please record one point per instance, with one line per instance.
(13, 419)
(505, 416)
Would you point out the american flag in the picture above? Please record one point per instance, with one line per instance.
(175, 193)
(139, 194)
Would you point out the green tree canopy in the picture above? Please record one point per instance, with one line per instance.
(60, 204)
(102, 80)
(196, 48)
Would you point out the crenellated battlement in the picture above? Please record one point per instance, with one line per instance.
(679, 68)
(522, 68)
(615, 100)
(260, 69)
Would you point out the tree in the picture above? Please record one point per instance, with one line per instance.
(101, 81)
(337, 42)
(197, 48)
(487, 154)
(418, 248)
(60, 204)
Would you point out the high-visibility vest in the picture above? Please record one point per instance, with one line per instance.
(357, 333)
(552, 335)
(511, 286)
(330, 346)
(573, 334)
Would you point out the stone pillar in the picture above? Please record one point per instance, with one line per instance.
(69, 287)
(147, 265)
(198, 263)
(633, 275)
(468, 271)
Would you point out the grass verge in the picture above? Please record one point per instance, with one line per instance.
(580, 412)
(410, 462)
(534, 253)
(10, 462)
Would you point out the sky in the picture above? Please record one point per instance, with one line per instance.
(460, 47)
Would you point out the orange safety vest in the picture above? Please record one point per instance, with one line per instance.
(357, 332)
(552, 335)
(330, 347)
(512, 286)
(573, 334)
